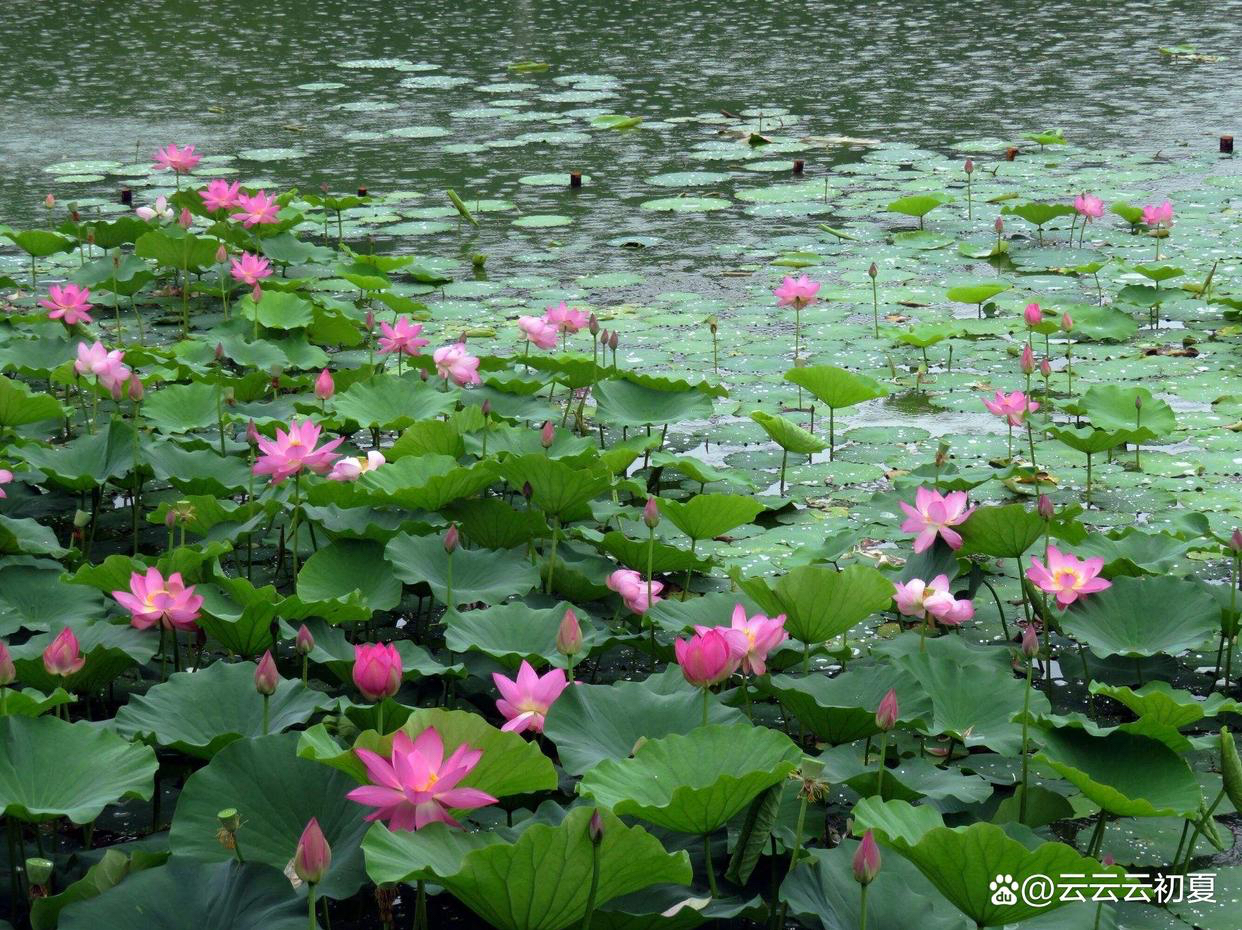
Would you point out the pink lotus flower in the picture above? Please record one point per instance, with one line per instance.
(107, 366)
(525, 702)
(256, 210)
(313, 855)
(453, 361)
(1157, 215)
(151, 600)
(565, 318)
(69, 304)
(917, 598)
(377, 670)
(63, 656)
(8, 672)
(1089, 206)
(289, 453)
(1067, 576)
(752, 638)
(402, 338)
(180, 160)
(250, 269)
(325, 387)
(934, 514)
(538, 330)
(706, 658)
(1012, 407)
(6, 476)
(350, 468)
(220, 195)
(418, 785)
(633, 589)
(161, 210)
(1033, 315)
(797, 292)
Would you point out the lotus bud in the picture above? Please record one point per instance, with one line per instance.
(74, 214)
(547, 435)
(942, 454)
(423, 374)
(266, 678)
(252, 433)
(873, 271)
(1033, 315)
(1107, 860)
(867, 860)
(713, 324)
(1235, 541)
(219, 351)
(304, 642)
(569, 636)
(1045, 508)
(613, 340)
(999, 226)
(486, 408)
(49, 201)
(256, 292)
(593, 325)
(1028, 359)
(63, 656)
(886, 714)
(185, 219)
(527, 490)
(313, 855)
(1045, 368)
(370, 320)
(222, 254)
(115, 389)
(651, 513)
(969, 166)
(136, 390)
(451, 539)
(90, 236)
(170, 518)
(1138, 402)
(39, 871)
(325, 387)
(1030, 642)
(1067, 323)
(377, 670)
(596, 828)
(8, 673)
(323, 186)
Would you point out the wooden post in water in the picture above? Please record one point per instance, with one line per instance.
(362, 192)
(1226, 145)
(575, 179)
(1011, 153)
(798, 166)
(127, 197)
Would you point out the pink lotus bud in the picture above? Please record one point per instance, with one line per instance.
(313, 855)
(136, 390)
(7, 671)
(370, 320)
(527, 491)
(1235, 541)
(74, 214)
(603, 337)
(593, 325)
(325, 387)
(219, 351)
(613, 340)
(170, 518)
(867, 860)
(377, 670)
(423, 374)
(185, 219)
(304, 642)
(705, 658)
(115, 389)
(1030, 642)
(1067, 323)
(63, 656)
(323, 186)
(873, 271)
(547, 435)
(49, 201)
(596, 828)
(999, 226)
(252, 433)
(1033, 315)
(1045, 508)
(569, 636)
(651, 513)
(1107, 860)
(1028, 360)
(451, 538)
(486, 408)
(266, 678)
(969, 166)
(886, 714)
(222, 254)
(1045, 368)
(1138, 402)
(256, 292)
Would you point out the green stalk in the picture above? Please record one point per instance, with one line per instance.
(448, 583)
(879, 774)
(706, 701)
(1026, 709)
(266, 699)
(862, 910)
(707, 865)
(552, 560)
(590, 908)
(310, 901)
(875, 308)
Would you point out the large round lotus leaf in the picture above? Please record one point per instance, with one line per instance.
(1144, 617)
(541, 881)
(696, 782)
(1135, 553)
(1112, 406)
(475, 574)
(1161, 702)
(184, 893)
(819, 602)
(200, 713)
(557, 488)
(1004, 532)
(842, 709)
(836, 387)
(976, 293)
(276, 793)
(591, 723)
(389, 402)
(19, 405)
(53, 769)
(620, 402)
(706, 516)
(109, 650)
(513, 632)
(347, 566)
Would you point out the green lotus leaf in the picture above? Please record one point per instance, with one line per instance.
(696, 470)
(1090, 441)
(494, 523)
(1037, 214)
(202, 712)
(1161, 702)
(624, 402)
(389, 402)
(54, 769)
(88, 461)
(276, 793)
(105, 874)
(557, 488)
(1004, 532)
(512, 632)
(336, 652)
(182, 408)
(1103, 323)
(788, 435)
(36, 597)
(428, 482)
(491, 576)
(836, 387)
(842, 709)
(109, 650)
(912, 780)
(819, 602)
(278, 310)
(664, 558)
(39, 243)
(1132, 552)
(706, 516)
(19, 405)
(976, 293)
(925, 335)
(918, 205)
(1144, 617)
(694, 782)
(1111, 406)
(27, 535)
(347, 566)
(31, 703)
(173, 247)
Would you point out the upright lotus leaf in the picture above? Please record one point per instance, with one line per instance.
(428, 482)
(184, 893)
(105, 874)
(976, 293)
(541, 881)
(591, 723)
(476, 574)
(925, 335)
(512, 632)
(494, 523)
(1091, 441)
(912, 780)
(276, 793)
(696, 782)
(706, 516)
(38, 243)
(637, 553)
(918, 205)
(31, 703)
(821, 603)
(88, 461)
(29, 536)
(509, 765)
(836, 387)
(183, 408)
(557, 488)
(1037, 214)
(624, 402)
(53, 769)
(1139, 617)
(696, 470)
(787, 434)
(1161, 702)
(173, 247)
(1003, 532)
(1125, 773)
(1112, 407)
(842, 709)
(202, 712)
(19, 405)
(347, 566)
(389, 402)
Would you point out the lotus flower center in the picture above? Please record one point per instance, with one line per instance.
(1067, 578)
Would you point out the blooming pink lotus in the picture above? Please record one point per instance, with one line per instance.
(934, 514)
(377, 670)
(351, 468)
(418, 786)
(63, 655)
(565, 318)
(250, 269)
(289, 453)
(917, 598)
(180, 160)
(633, 589)
(1067, 576)
(1012, 407)
(453, 361)
(220, 195)
(707, 657)
(538, 330)
(752, 638)
(797, 292)
(525, 702)
(69, 304)
(107, 366)
(151, 600)
(161, 210)
(6, 477)
(256, 210)
(1089, 206)
(402, 337)
(1157, 215)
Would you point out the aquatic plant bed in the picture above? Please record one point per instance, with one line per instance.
(870, 559)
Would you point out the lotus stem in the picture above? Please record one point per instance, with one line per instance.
(706, 704)
(875, 308)
(420, 906)
(266, 728)
(379, 717)
(784, 459)
(552, 559)
(707, 865)
(303, 671)
(832, 434)
(594, 890)
(862, 909)
(310, 906)
(1026, 709)
(879, 772)
(448, 583)
(1097, 835)
(1199, 828)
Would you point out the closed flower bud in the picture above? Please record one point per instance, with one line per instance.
(1045, 368)
(252, 433)
(266, 678)
(613, 341)
(527, 490)
(886, 714)
(1030, 642)
(313, 855)
(325, 387)
(1033, 315)
(451, 538)
(873, 271)
(185, 219)
(256, 292)
(63, 656)
(222, 254)
(969, 166)
(304, 642)
(1028, 360)
(593, 325)
(1067, 323)
(999, 226)
(8, 673)
(547, 435)
(568, 637)
(49, 201)
(651, 513)
(867, 860)
(486, 408)
(596, 828)
(136, 390)
(377, 670)
(370, 320)
(1138, 402)
(1107, 860)
(1045, 508)
(1235, 541)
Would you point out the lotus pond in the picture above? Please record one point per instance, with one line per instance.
(643, 515)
